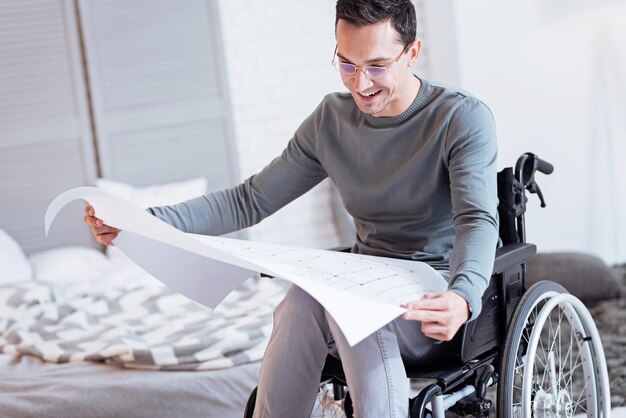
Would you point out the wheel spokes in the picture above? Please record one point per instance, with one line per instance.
(560, 386)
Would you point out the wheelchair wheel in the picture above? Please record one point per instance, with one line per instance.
(330, 405)
(326, 404)
(552, 363)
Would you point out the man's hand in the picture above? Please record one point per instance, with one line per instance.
(441, 313)
(104, 234)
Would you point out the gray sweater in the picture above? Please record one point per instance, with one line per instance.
(420, 186)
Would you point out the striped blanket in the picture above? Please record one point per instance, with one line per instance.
(137, 325)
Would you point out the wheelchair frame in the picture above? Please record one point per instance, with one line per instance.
(507, 335)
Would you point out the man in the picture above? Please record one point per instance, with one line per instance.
(415, 165)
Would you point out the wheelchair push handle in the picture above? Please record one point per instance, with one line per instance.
(526, 167)
(544, 166)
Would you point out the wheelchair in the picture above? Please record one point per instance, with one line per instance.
(539, 345)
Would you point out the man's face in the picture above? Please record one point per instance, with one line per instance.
(377, 45)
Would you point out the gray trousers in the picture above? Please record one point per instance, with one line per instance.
(304, 334)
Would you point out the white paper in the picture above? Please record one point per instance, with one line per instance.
(362, 293)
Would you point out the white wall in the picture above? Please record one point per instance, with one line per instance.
(278, 55)
(554, 74)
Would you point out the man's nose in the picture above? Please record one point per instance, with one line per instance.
(361, 80)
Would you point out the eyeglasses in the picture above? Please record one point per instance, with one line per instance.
(371, 71)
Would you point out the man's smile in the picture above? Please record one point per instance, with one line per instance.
(370, 94)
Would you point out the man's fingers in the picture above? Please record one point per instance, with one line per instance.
(91, 218)
(435, 303)
(99, 231)
(433, 295)
(425, 316)
(441, 314)
(440, 337)
(93, 221)
(104, 234)
(107, 237)
(431, 328)
(105, 229)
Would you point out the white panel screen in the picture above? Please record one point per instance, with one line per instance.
(45, 140)
(159, 93)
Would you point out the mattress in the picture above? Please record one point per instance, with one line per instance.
(30, 387)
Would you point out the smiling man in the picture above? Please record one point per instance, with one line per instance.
(415, 165)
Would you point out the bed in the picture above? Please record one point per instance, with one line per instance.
(84, 334)
(31, 388)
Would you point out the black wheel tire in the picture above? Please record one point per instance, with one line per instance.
(508, 354)
(347, 406)
(247, 413)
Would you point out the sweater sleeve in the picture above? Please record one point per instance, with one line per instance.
(287, 177)
(472, 154)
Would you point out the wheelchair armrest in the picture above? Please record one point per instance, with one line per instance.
(512, 254)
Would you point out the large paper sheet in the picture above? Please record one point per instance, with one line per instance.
(362, 293)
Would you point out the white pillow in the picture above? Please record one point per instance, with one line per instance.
(65, 265)
(156, 195)
(14, 265)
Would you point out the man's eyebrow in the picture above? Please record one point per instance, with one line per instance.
(370, 61)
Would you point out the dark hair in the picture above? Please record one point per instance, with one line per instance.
(367, 12)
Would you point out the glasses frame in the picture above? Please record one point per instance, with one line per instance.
(365, 69)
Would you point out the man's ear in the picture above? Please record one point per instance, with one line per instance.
(414, 51)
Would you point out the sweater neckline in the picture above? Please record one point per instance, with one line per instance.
(407, 114)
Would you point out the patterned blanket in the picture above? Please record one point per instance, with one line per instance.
(137, 326)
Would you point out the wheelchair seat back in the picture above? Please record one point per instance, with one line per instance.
(507, 284)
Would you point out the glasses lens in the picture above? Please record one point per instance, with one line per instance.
(375, 72)
(345, 68)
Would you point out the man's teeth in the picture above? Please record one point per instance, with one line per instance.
(370, 94)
